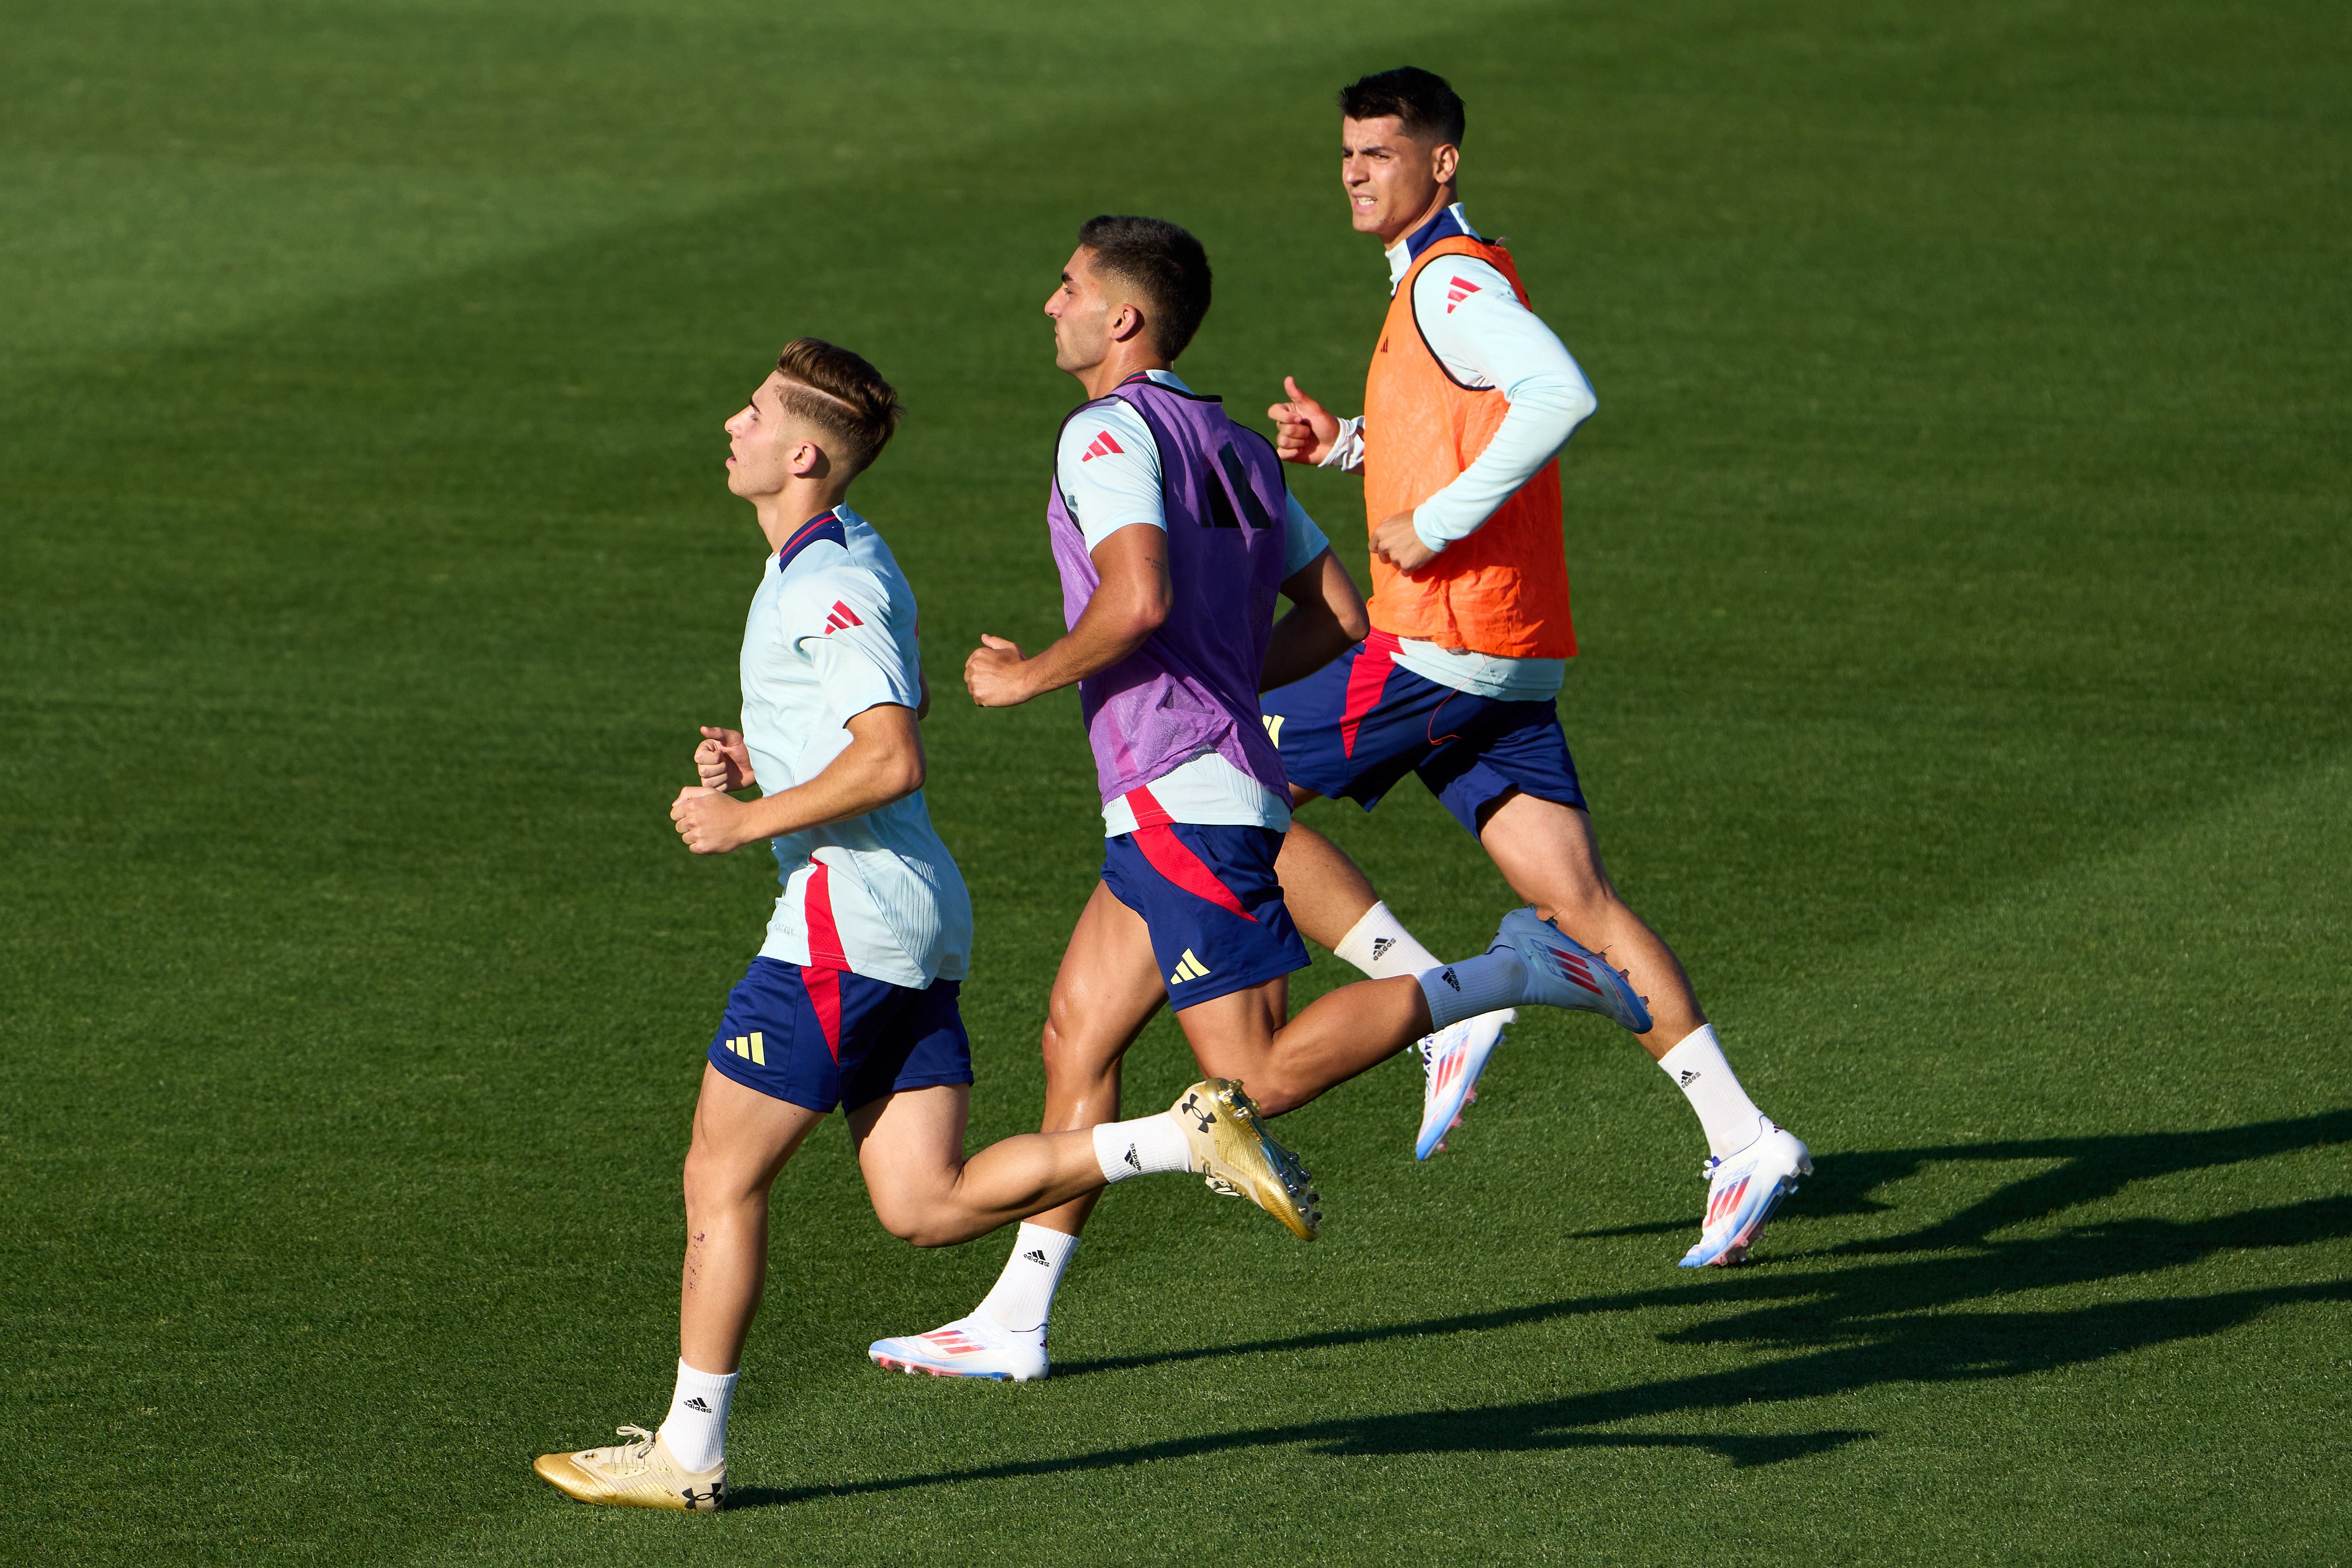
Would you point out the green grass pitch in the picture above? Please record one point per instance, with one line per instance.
(1964, 564)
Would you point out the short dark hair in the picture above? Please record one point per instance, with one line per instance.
(1423, 100)
(1160, 262)
(841, 394)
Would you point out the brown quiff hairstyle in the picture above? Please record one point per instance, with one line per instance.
(841, 395)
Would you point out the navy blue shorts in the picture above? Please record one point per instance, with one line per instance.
(1209, 897)
(1360, 723)
(822, 1037)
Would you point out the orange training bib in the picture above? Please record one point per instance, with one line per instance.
(1503, 590)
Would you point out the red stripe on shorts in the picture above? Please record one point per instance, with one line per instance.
(1173, 859)
(822, 974)
(1367, 679)
(824, 996)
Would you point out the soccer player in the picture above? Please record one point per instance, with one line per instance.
(1174, 531)
(852, 1000)
(1469, 400)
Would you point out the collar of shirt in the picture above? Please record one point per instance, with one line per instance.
(1164, 377)
(831, 523)
(1406, 251)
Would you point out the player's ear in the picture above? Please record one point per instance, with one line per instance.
(808, 460)
(1444, 161)
(1127, 324)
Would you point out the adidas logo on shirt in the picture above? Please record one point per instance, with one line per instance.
(842, 618)
(1456, 290)
(1188, 968)
(1102, 445)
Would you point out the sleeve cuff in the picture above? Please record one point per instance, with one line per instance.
(1347, 451)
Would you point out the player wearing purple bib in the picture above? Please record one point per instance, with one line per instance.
(851, 1002)
(1174, 532)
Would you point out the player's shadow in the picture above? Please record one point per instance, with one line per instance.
(1869, 1313)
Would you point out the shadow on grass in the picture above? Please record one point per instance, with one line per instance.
(1868, 1317)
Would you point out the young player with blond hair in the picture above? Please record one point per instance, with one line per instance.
(852, 1000)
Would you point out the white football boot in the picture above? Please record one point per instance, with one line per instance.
(976, 1346)
(1564, 973)
(1450, 1061)
(1742, 1191)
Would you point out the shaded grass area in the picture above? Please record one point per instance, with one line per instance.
(1960, 553)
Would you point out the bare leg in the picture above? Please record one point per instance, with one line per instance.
(741, 1139)
(1242, 1036)
(910, 1146)
(1550, 855)
(1108, 989)
(1323, 890)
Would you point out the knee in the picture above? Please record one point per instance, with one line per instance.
(1587, 905)
(915, 1224)
(709, 1182)
(1066, 1043)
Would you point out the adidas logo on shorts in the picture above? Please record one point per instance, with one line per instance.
(1189, 967)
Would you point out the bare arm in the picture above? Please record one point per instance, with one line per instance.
(1328, 620)
(1132, 602)
(883, 762)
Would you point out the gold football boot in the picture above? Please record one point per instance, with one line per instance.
(639, 1474)
(1233, 1149)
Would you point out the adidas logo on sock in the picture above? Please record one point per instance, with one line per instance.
(1037, 1257)
(1381, 945)
(1448, 978)
(1690, 1076)
(1134, 1163)
(696, 1404)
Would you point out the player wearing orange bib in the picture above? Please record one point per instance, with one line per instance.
(1469, 399)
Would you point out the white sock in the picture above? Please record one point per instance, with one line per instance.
(1024, 1296)
(1380, 946)
(1487, 984)
(1729, 1117)
(1143, 1147)
(696, 1427)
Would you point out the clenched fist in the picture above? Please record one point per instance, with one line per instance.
(992, 673)
(710, 820)
(1395, 542)
(723, 761)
